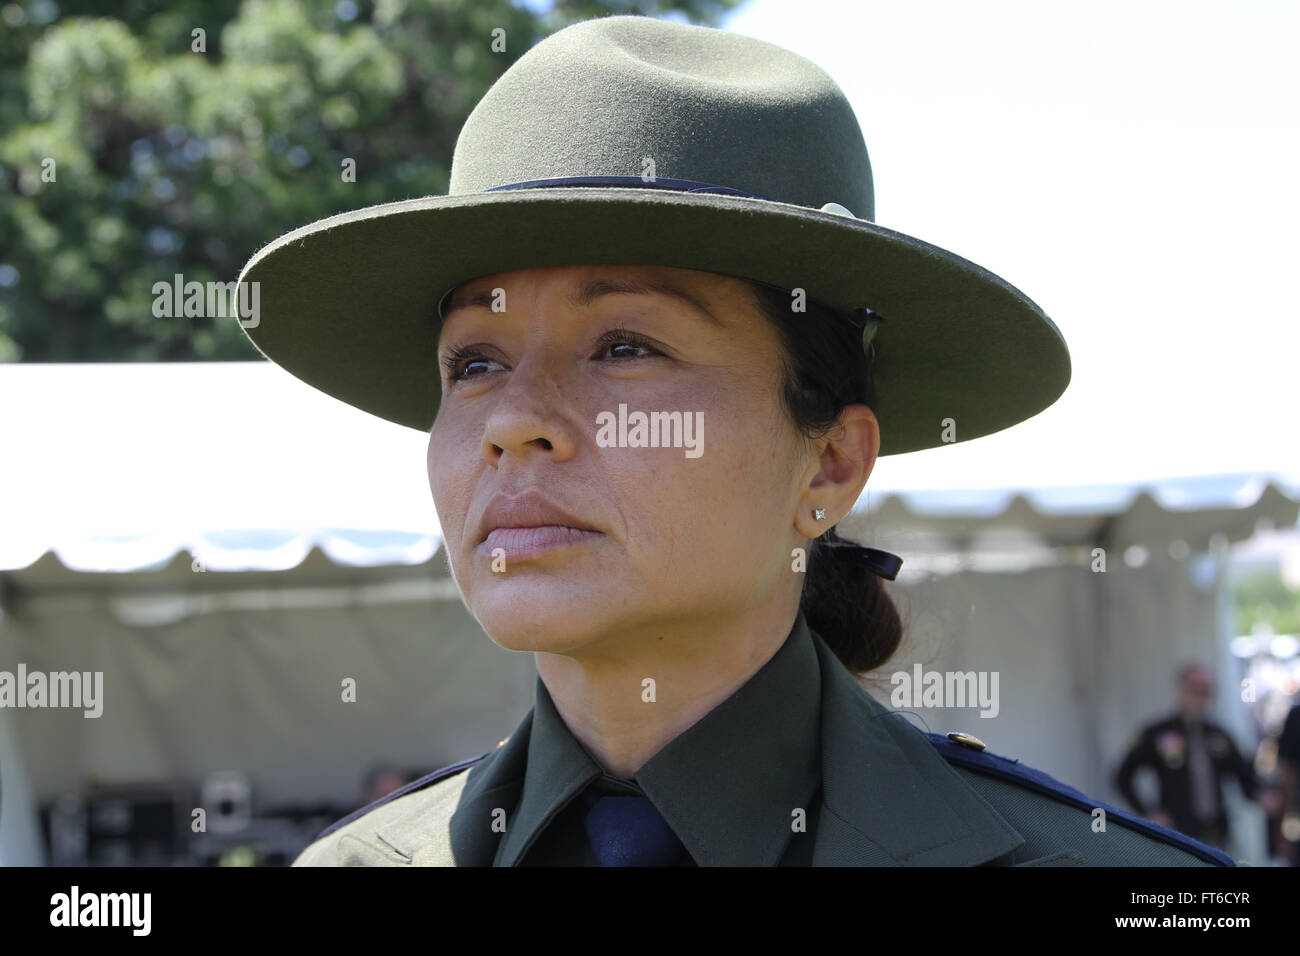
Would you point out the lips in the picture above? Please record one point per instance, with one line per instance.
(528, 510)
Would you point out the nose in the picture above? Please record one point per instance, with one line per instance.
(531, 413)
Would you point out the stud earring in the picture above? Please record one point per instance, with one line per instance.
(819, 513)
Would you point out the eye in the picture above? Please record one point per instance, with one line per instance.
(462, 355)
(461, 358)
(621, 336)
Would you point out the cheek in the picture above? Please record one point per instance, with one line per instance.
(705, 516)
(448, 460)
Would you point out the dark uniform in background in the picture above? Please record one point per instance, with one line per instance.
(1169, 748)
(800, 767)
(1191, 756)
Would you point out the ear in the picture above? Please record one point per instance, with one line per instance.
(847, 456)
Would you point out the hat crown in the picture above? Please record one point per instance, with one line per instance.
(608, 97)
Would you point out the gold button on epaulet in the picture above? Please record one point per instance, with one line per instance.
(966, 740)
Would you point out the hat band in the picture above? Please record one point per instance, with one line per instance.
(872, 319)
(681, 185)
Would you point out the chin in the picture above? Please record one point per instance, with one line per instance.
(541, 618)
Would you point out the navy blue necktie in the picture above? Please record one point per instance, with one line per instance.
(628, 831)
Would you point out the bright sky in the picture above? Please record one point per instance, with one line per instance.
(1132, 167)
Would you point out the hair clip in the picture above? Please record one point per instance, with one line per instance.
(883, 563)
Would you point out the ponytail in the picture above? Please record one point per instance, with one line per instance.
(846, 603)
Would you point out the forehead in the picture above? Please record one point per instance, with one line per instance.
(707, 294)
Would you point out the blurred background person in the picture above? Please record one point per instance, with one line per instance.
(1190, 756)
(380, 781)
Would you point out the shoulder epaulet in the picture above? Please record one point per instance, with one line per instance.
(967, 751)
(414, 785)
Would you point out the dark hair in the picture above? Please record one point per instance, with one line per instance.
(825, 369)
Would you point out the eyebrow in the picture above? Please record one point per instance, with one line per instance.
(594, 289)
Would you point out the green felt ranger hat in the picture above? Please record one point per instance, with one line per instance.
(638, 141)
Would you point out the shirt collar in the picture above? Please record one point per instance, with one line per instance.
(888, 798)
(728, 785)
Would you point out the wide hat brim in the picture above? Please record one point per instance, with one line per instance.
(349, 303)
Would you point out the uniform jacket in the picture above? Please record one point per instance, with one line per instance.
(1163, 747)
(890, 796)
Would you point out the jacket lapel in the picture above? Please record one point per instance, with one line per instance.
(887, 797)
(456, 828)
(492, 792)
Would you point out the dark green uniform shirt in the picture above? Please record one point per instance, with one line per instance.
(801, 737)
(739, 787)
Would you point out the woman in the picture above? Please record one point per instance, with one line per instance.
(658, 345)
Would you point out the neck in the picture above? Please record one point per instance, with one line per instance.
(604, 698)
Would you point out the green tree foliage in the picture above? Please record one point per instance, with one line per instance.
(1264, 598)
(180, 137)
